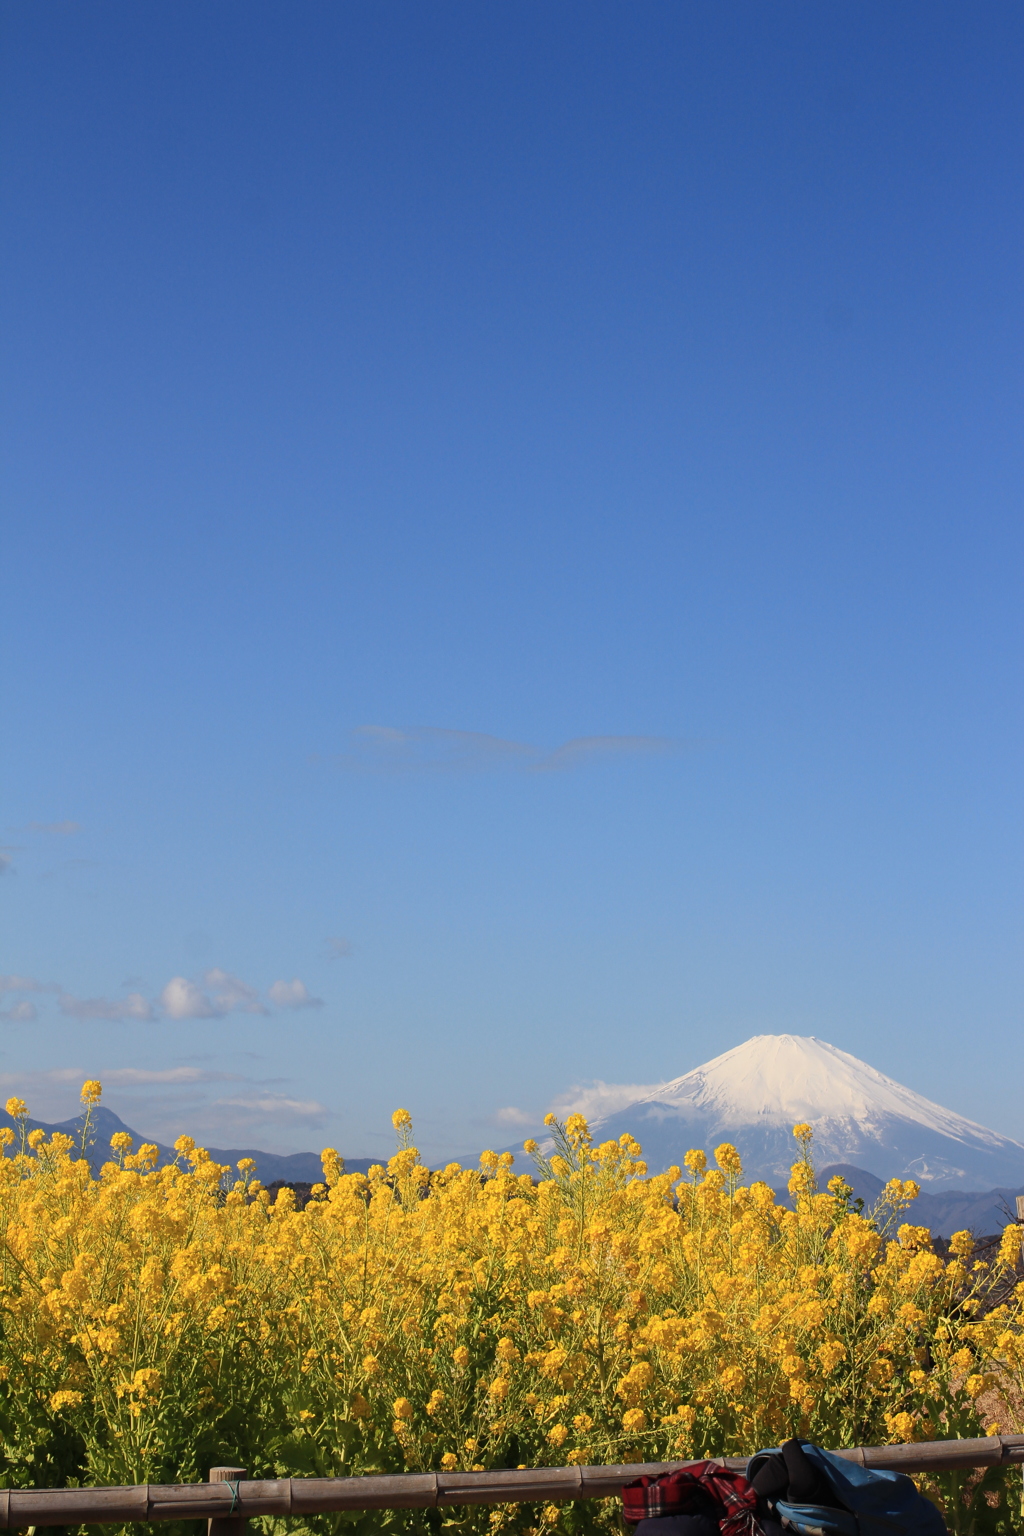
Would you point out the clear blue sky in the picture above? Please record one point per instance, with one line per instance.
(638, 380)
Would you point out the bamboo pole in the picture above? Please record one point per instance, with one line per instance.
(227, 1525)
(232, 1499)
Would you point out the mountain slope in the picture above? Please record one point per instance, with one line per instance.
(753, 1095)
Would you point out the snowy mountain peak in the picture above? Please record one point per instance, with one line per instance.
(790, 1078)
(754, 1094)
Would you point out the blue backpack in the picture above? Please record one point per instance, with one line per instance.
(874, 1503)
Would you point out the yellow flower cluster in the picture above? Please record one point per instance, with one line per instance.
(159, 1320)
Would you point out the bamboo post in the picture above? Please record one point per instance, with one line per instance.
(228, 1525)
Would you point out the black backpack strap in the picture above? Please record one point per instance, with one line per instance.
(768, 1476)
(807, 1484)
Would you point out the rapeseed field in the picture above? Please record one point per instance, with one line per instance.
(156, 1321)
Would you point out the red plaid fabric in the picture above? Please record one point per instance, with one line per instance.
(675, 1493)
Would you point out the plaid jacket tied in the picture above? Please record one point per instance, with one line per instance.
(676, 1493)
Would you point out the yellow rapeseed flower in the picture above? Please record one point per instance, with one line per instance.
(728, 1159)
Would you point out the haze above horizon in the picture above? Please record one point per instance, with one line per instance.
(513, 556)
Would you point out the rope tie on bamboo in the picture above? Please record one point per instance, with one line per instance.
(234, 1496)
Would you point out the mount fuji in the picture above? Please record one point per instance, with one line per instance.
(753, 1095)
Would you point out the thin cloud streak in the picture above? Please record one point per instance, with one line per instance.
(134, 1006)
(130, 1077)
(584, 749)
(430, 749)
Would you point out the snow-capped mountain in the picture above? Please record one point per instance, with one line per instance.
(753, 1095)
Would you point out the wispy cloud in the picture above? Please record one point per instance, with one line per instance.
(57, 828)
(339, 948)
(23, 984)
(256, 1117)
(125, 1077)
(131, 1077)
(22, 1012)
(293, 994)
(277, 1104)
(597, 1099)
(232, 994)
(134, 1006)
(584, 749)
(430, 749)
(512, 1116)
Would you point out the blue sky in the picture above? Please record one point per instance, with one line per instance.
(511, 554)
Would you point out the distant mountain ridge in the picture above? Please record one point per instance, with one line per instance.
(753, 1095)
(867, 1128)
(297, 1167)
(983, 1213)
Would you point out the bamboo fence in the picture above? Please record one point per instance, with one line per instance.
(228, 1499)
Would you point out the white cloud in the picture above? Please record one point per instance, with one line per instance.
(223, 993)
(293, 994)
(134, 1006)
(597, 1099)
(21, 984)
(512, 1116)
(5, 864)
(182, 999)
(231, 994)
(339, 948)
(21, 1013)
(58, 828)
